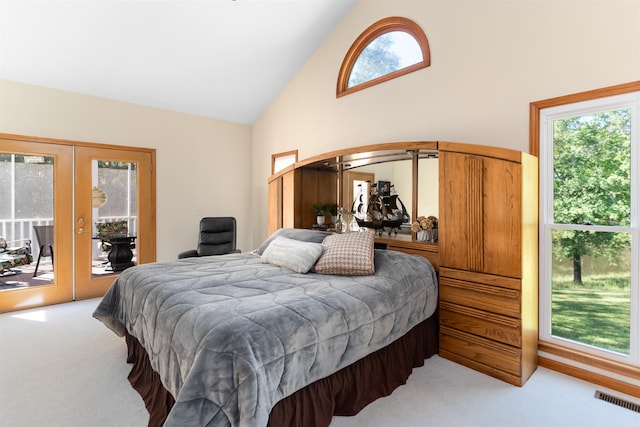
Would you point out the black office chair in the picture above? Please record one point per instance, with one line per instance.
(44, 235)
(217, 237)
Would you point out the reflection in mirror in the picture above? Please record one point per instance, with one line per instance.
(428, 187)
(360, 201)
(400, 174)
(26, 221)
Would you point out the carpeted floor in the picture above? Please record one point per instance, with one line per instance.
(59, 367)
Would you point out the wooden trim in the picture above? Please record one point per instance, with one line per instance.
(404, 241)
(598, 362)
(481, 150)
(364, 150)
(281, 173)
(589, 376)
(386, 25)
(475, 206)
(73, 143)
(415, 187)
(534, 129)
(535, 107)
(274, 196)
(152, 238)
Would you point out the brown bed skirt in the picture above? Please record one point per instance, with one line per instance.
(345, 392)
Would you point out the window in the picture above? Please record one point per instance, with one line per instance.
(590, 222)
(280, 161)
(26, 193)
(389, 48)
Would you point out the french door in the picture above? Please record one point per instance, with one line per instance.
(113, 191)
(57, 198)
(36, 180)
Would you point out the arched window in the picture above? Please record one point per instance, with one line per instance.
(390, 48)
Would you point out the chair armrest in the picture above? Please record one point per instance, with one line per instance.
(188, 254)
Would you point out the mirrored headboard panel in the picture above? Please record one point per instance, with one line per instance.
(410, 168)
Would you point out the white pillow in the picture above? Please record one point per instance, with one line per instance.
(304, 235)
(292, 254)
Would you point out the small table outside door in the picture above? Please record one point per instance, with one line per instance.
(120, 256)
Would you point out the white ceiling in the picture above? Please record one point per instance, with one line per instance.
(224, 59)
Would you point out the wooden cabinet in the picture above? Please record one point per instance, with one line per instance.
(404, 243)
(487, 253)
(274, 205)
(488, 260)
(291, 194)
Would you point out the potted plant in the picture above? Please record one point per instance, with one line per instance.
(321, 210)
(332, 208)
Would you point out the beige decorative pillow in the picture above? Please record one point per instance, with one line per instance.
(349, 254)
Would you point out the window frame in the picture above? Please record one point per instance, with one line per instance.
(548, 223)
(383, 26)
(275, 158)
(581, 360)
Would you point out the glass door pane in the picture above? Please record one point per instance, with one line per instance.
(26, 220)
(114, 217)
(35, 209)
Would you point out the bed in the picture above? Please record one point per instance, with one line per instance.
(252, 339)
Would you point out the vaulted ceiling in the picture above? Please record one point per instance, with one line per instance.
(225, 59)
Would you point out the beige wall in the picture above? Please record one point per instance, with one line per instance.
(489, 60)
(202, 164)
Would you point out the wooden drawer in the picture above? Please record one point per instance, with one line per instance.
(412, 248)
(489, 325)
(480, 296)
(481, 350)
(483, 278)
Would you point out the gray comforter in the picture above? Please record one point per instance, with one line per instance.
(231, 336)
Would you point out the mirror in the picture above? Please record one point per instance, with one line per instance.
(428, 193)
(400, 174)
(341, 176)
